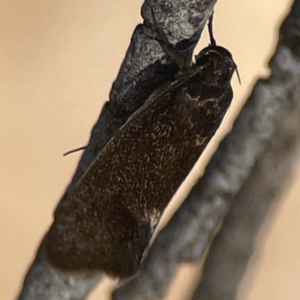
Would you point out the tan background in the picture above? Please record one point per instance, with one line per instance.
(58, 59)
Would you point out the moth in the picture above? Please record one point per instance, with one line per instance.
(107, 223)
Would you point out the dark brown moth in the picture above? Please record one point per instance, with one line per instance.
(108, 221)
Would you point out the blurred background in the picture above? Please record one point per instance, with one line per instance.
(58, 60)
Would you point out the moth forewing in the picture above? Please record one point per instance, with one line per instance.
(108, 221)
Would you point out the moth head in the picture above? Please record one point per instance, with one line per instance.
(217, 64)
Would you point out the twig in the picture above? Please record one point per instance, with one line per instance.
(142, 71)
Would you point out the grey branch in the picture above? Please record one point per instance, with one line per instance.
(240, 183)
(243, 178)
(145, 67)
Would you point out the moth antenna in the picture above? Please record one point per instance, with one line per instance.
(210, 30)
(238, 75)
(74, 150)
